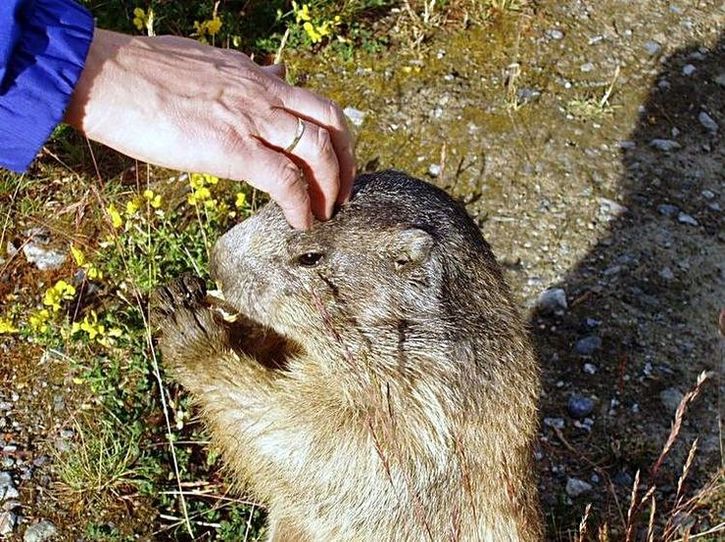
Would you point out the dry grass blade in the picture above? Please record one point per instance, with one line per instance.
(677, 424)
(584, 524)
(651, 523)
(631, 513)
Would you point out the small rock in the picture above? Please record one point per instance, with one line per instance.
(586, 346)
(671, 398)
(7, 488)
(666, 273)
(586, 68)
(355, 115)
(665, 145)
(556, 423)
(622, 478)
(434, 170)
(688, 70)
(552, 301)
(627, 144)
(684, 218)
(576, 487)
(556, 34)
(7, 522)
(592, 323)
(708, 122)
(708, 194)
(590, 368)
(720, 79)
(580, 406)
(667, 209)
(611, 207)
(39, 532)
(652, 47)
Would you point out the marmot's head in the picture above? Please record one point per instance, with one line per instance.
(400, 266)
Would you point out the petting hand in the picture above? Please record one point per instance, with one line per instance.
(191, 107)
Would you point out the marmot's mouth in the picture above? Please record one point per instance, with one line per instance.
(216, 301)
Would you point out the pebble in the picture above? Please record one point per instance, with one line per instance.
(666, 273)
(556, 423)
(556, 34)
(7, 522)
(708, 194)
(720, 79)
(37, 252)
(576, 487)
(7, 488)
(667, 209)
(580, 406)
(39, 532)
(665, 145)
(671, 398)
(611, 207)
(688, 69)
(586, 346)
(708, 122)
(586, 67)
(622, 478)
(552, 301)
(434, 170)
(684, 218)
(355, 115)
(652, 48)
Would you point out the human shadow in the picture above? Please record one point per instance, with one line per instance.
(641, 321)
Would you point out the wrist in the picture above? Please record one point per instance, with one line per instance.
(104, 48)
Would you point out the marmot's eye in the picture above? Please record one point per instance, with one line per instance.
(309, 259)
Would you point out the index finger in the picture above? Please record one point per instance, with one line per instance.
(309, 106)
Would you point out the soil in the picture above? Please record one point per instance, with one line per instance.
(570, 197)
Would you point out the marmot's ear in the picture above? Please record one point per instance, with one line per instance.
(408, 247)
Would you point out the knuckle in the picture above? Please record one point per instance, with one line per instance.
(323, 141)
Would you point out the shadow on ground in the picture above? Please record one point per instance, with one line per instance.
(641, 316)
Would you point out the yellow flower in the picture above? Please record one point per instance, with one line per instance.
(116, 220)
(78, 256)
(7, 326)
(144, 19)
(132, 207)
(139, 18)
(301, 14)
(241, 200)
(312, 32)
(61, 291)
(213, 26)
(39, 321)
(90, 326)
(153, 198)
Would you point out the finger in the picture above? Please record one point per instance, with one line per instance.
(325, 113)
(274, 173)
(314, 152)
(277, 70)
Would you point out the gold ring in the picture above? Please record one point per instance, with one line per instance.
(298, 135)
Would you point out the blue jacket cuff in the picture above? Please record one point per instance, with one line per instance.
(43, 69)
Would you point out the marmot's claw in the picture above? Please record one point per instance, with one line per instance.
(185, 322)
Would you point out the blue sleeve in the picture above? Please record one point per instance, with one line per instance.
(43, 47)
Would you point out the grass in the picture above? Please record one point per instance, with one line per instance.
(592, 107)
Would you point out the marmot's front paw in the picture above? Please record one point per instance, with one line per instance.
(188, 329)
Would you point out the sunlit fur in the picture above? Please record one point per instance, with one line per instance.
(387, 393)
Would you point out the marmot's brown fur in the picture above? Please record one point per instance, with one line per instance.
(379, 384)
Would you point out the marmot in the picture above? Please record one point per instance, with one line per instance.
(378, 384)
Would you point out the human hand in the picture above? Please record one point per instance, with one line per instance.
(177, 103)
